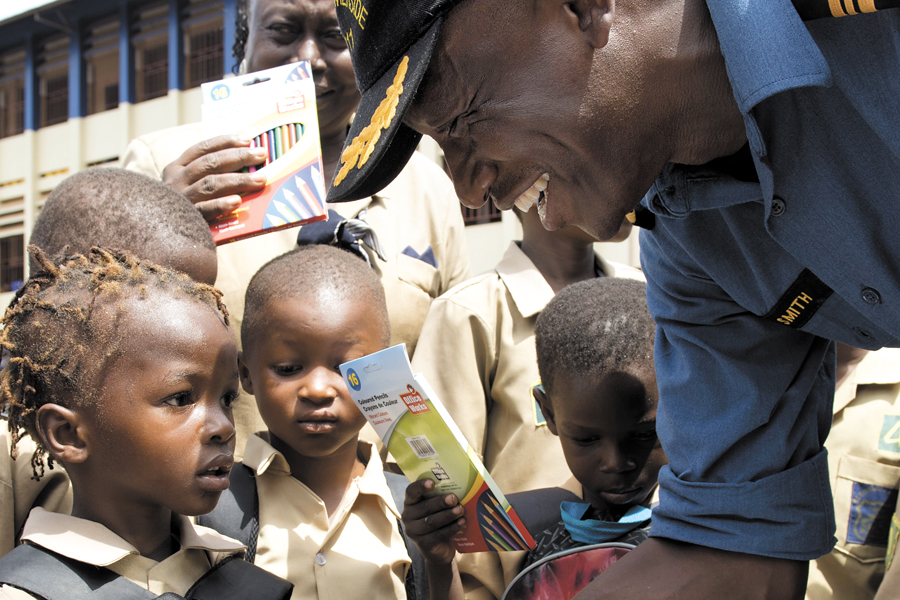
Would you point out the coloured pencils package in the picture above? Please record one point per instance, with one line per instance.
(276, 110)
(422, 437)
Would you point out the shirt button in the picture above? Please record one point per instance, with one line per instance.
(320, 559)
(778, 206)
(862, 333)
(870, 296)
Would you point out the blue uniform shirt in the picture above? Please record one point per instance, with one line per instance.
(755, 265)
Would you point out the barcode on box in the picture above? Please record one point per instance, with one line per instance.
(421, 446)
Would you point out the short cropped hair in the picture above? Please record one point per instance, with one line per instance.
(311, 270)
(59, 340)
(115, 208)
(594, 327)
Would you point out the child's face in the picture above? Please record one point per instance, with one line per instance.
(607, 427)
(164, 433)
(292, 369)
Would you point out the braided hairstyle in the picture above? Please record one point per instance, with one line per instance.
(241, 33)
(62, 328)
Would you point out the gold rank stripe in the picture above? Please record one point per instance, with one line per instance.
(843, 8)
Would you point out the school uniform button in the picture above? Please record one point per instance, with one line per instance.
(862, 333)
(778, 206)
(870, 296)
(320, 559)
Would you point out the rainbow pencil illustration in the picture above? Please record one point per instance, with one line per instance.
(317, 180)
(308, 195)
(499, 540)
(275, 221)
(285, 211)
(292, 135)
(493, 545)
(501, 519)
(509, 540)
(271, 144)
(297, 204)
(279, 149)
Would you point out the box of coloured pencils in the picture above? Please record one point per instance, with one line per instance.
(276, 110)
(423, 439)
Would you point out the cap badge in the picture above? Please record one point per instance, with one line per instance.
(362, 146)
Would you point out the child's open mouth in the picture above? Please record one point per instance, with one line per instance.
(215, 478)
(318, 424)
(621, 496)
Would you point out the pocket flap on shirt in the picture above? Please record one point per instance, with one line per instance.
(419, 273)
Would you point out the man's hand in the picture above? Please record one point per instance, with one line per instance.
(661, 568)
(208, 174)
(431, 522)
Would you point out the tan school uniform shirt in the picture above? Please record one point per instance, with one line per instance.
(19, 493)
(358, 553)
(864, 465)
(94, 544)
(418, 210)
(477, 352)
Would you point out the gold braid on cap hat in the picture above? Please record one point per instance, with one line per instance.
(362, 146)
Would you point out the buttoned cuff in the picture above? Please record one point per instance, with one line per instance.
(787, 515)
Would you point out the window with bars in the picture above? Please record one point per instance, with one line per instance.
(12, 93)
(101, 58)
(53, 80)
(150, 38)
(204, 51)
(12, 263)
(487, 213)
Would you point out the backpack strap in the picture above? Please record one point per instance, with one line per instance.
(51, 576)
(237, 513)
(417, 577)
(236, 579)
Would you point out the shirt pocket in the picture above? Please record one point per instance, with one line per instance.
(865, 497)
(419, 273)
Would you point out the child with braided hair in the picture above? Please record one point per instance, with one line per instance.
(124, 372)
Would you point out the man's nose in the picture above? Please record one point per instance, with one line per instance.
(473, 179)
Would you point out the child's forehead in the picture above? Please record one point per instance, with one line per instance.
(633, 388)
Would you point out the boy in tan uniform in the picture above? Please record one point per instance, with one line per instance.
(124, 372)
(110, 208)
(864, 463)
(477, 349)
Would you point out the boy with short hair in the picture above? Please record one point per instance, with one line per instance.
(124, 372)
(326, 518)
(112, 208)
(595, 356)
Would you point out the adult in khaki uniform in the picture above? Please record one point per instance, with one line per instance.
(418, 212)
(477, 350)
(864, 464)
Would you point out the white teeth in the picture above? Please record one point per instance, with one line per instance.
(533, 194)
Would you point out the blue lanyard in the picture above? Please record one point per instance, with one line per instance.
(590, 531)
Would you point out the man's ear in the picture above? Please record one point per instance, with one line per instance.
(244, 371)
(546, 408)
(595, 19)
(63, 432)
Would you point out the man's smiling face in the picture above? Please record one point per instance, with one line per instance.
(543, 99)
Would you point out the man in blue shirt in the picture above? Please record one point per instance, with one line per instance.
(767, 153)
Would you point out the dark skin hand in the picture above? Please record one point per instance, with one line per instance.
(205, 173)
(431, 522)
(686, 572)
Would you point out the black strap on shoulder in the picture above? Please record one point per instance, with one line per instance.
(237, 513)
(539, 509)
(236, 579)
(417, 577)
(51, 576)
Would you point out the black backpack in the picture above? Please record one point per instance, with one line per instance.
(237, 516)
(51, 576)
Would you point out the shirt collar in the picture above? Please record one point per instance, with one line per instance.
(529, 290)
(261, 457)
(92, 543)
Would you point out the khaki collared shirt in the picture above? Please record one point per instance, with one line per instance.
(477, 352)
(19, 493)
(357, 554)
(92, 543)
(864, 465)
(419, 209)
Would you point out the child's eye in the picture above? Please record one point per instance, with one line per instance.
(286, 369)
(229, 399)
(586, 441)
(180, 399)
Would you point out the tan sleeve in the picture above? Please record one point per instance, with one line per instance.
(138, 158)
(19, 493)
(456, 352)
